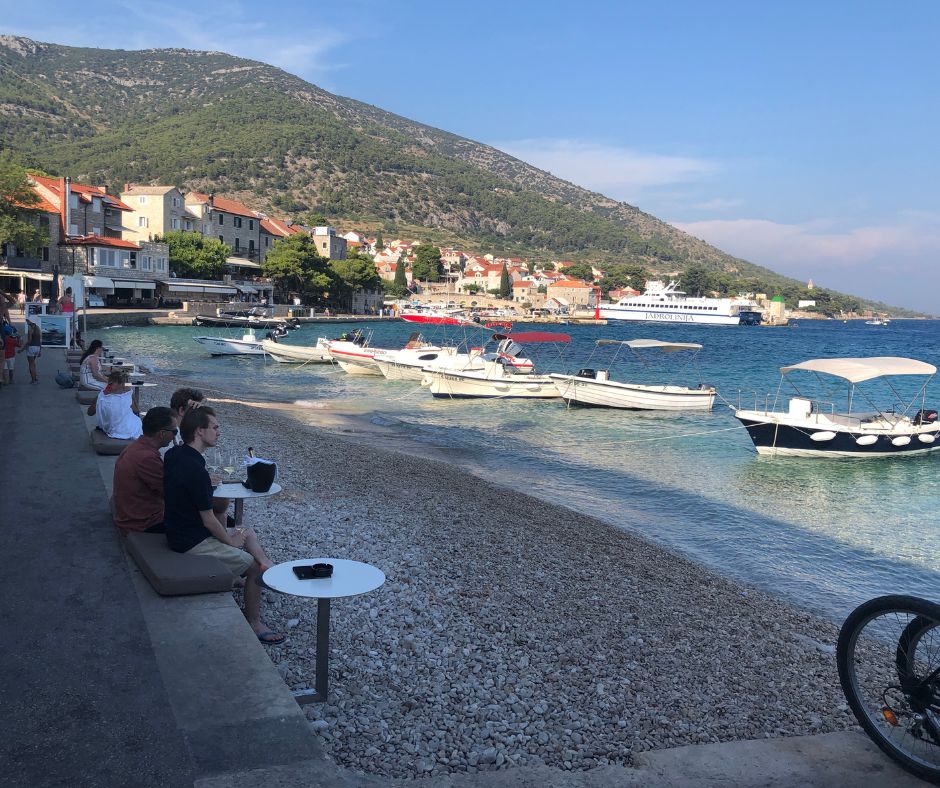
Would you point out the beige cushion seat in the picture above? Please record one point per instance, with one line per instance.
(173, 574)
(86, 397)
(102, 444)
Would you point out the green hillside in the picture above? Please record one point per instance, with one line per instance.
(212, 122)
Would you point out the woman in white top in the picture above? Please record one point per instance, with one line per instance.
(117, 409)
(90, 374)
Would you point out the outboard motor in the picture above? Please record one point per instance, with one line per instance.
(586, 373)
(924, 416)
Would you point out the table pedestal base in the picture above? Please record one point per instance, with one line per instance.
(322, 681)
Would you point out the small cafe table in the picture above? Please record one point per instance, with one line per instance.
(350, 578)
(240, 492)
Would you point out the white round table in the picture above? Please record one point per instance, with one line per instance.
(349, 578)
(239, 492)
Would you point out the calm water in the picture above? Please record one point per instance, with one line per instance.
(825, 534)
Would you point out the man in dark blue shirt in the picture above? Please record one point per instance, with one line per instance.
(193, 527)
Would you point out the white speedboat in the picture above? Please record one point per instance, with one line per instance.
(498, 378)
(353, 354)
(411, 363)
(667, 304)
(815, 428)
(298, 354)
(435, 316)
(594, 387)
(248, 345)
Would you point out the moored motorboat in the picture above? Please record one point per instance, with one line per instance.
(353, 354)
(595, 387)
(436, 316)
(498, 377)
(248, 345)
(298, 354)
(814, 428)
(410, 363)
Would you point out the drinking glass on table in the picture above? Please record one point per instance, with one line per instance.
(229, 463)
(213, 461)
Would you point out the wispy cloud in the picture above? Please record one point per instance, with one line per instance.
(618, 172)
(718, 204)
(885, 260)
(306, 48)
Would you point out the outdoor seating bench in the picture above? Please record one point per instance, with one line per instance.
(86, 397)
(176, 574)
(102, 444)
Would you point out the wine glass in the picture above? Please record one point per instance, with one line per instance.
(213, 460)
(229, 463)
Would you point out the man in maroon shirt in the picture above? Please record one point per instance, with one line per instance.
(138, 476)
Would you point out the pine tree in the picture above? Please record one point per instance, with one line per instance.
(505, 291)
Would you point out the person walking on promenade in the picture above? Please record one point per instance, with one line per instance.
(11, 344)
(33, 348)
(193, 527)
(138, 476)
(21, 301)
(90, 374)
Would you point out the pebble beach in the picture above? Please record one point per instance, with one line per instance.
(511, 631)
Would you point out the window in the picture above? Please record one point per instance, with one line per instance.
(267, 241)
(222, 238)
(129, 260)
(251, 245)
(73, 201)
(251, 224)
(142, 200)
(96, 231)
(236, 244)
(45, 254)
(143, 221)
(96, 204)
(187, 225)
(73, 229)
(221, 219)
(160, 264)
(105, 258)
(177, 202)
(205, 229)
(175, 224)
(145, 263)
(237, 221)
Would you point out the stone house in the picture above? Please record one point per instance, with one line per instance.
(573, 292)
(157, 210)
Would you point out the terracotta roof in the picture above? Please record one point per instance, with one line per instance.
(100, 240)
(524, 283)
(42, 204)
(197, 197)
(86, 192)
(232, 206)
(138, 189)
(279, 227)
(569, 283)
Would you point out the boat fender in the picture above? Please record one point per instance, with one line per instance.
(586, 373)
(925, 437)
(825, 435)
(866, 440)
(901, 440)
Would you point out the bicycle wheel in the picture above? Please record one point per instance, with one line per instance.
(888, 655)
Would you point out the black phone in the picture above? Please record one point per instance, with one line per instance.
(313, 571)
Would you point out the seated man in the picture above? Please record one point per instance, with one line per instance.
(183, 400)
(193, 527)
(117, 409)
(138, 476)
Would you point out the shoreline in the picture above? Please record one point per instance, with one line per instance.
(512, 631)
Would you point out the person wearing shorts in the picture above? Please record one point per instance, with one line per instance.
(193, 527)
(10, 345)
(33, 348)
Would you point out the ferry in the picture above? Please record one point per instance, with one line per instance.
(667, 304)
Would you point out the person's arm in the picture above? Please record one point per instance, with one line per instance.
(214, 527)
(135, 400)
(150, 473)
(94, 364)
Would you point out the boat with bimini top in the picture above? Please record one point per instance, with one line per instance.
(594, 387)
(818, 428)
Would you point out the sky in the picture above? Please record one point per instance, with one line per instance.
(801, 136)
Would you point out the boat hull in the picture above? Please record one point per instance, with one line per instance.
(436, 320)
(239, 322)
(220, 346)
(296, 354)
(613, 394)
(776, 438)
(647, 315)
(456, 385)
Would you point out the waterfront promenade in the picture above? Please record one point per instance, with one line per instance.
(108, 684)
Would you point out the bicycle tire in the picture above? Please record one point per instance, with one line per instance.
(888, 629)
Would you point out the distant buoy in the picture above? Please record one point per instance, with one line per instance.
(866, 440)
(819, 437)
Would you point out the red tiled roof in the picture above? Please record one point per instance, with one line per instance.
(85, 192)
(569, 283)
(41, 205)
(524, 283)
(278, 227)
(100, 240)
(232, 206)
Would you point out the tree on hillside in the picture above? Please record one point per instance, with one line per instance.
(195, 256)
(427, 265)
(356, 272)
(296, 267)
(623, 275)
(379, 242)
(696, 280)
(399, 286)
(581, 271)
(505, 288)
(19, 221)
(316, 219)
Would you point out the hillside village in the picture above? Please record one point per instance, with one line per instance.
(114, 243)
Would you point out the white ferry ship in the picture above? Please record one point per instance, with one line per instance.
(667, 304)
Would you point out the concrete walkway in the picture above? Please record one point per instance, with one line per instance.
(106, 683)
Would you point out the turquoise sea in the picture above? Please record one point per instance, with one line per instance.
(822, 533)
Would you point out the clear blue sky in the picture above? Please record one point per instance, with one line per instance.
(799, 135)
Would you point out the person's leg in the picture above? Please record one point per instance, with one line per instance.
(255, 550)
(253, 606)
(33, 374)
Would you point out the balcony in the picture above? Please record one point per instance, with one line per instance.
(20, 263)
